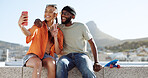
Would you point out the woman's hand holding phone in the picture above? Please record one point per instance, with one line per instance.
(23, 21)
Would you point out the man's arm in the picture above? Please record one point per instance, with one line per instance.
(94, 50)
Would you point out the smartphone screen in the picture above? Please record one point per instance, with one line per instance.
(25, 13)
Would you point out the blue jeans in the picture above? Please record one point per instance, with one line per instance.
(69, 61)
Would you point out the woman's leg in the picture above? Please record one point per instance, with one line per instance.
(49, 63)
(36, 64)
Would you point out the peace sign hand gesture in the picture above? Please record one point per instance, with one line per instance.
(54, 30)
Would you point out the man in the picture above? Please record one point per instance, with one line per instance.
(74, 50)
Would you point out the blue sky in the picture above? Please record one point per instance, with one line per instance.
(122, 19)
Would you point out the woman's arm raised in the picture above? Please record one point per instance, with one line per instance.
(21, 20)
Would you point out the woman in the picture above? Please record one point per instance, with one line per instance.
(46, 39)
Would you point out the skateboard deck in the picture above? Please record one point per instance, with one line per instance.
(112, 64)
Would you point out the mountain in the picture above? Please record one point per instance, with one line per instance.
(134, 40)
(12, 46)
(101, 38)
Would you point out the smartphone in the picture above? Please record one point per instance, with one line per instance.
(56, 19)
(25, 13)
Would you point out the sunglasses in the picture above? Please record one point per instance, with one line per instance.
(65, 13)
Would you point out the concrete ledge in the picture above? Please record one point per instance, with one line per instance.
(74, 73)
(11, 72)
(27, 72)
(123, 72)
(126, 72)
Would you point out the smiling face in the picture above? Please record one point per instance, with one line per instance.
(66, 17)
(50, 13)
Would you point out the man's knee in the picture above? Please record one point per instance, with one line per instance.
(60, 63)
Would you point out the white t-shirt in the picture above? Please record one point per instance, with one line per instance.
(75, 37)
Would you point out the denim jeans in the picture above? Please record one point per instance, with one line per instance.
(69, 61)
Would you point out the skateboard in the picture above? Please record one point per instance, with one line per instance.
(112, 64)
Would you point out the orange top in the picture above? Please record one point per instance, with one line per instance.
(39, 38)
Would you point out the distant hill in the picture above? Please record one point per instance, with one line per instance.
(135, 40)
(12, 46)
(101, 38)
(128, 45)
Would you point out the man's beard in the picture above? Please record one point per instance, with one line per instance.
(67, 21)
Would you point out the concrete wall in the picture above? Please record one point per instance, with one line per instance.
(123, 72)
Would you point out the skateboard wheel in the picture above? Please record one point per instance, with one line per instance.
(111, 66)
(118, 66)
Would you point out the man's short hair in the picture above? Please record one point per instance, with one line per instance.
(70, 10)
